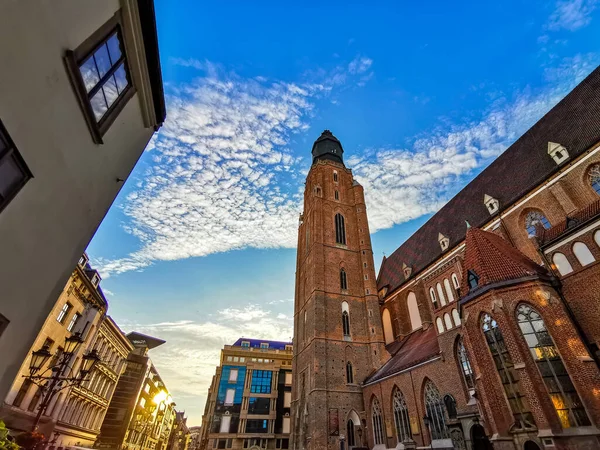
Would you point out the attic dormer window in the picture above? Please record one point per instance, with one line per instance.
(491, 204)
(557, 152)
(95, 280)
(83, 260)
(444, 242)
(407, 271)
(472, 279)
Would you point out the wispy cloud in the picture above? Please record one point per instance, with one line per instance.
(572, 14)
(187, 367)
(222, 177)
(404, 183)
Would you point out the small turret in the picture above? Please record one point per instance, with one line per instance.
(327, 146)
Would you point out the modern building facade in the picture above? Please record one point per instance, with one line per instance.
(141, 413)
(80, 308)
(81, 97)
(249, 401)
(489, 311)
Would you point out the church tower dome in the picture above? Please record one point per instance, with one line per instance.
(328, 147)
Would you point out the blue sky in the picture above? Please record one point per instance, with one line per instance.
(198, 248)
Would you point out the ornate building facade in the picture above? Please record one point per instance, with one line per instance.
(489, 312)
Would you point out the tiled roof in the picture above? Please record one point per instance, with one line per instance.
(493, 260)
(573, 123)
(572, 221)
(255, 343)
(417, 347)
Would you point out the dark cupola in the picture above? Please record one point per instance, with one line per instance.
(328, 147)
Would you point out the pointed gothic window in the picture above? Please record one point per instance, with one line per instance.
(346, 323)
(340, 229)
(388, 331)
(533, 219)
(434, 410)
(508, 375)
(343, 280)
(564, 397)
(465, 364)
(401, 418)
(472, 279)
(350, 433)
(450, 406)
(349, 373)
(413, 311)
(377, 420)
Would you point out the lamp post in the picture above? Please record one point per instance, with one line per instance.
(55, 382)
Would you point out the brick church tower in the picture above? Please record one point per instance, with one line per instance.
(338, 337)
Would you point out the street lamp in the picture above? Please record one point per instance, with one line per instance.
(38, 359)
(50, 385)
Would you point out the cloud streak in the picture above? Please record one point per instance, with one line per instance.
(572, 15)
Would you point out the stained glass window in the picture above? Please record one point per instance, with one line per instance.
(564, 397)
(401, 418)
(377, 420)
(508, 375)
(594, 177)
(533, 219)
(434, 409)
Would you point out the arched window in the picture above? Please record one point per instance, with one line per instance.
(448, 321)
(350, 433)
(449, 292)
(509, 376)
(440, 294)
(377, 420)
(434, 410)
(340, 229)
(433, 299)
(583, 253)
(401, 416)
(335, 176)
(388, 331)
(455, 281)
(343, 279)
(450, 406)
(337, 195)
(562, 263)
(465, 364)
(345, 319)
(594, 177)
(533, 219)
(440, 325)
(597, 237)
(413, 311)
(564, 397)
(349, 373)
(455, 317)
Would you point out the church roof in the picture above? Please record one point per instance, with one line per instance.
(327, 146)
(573, 123)
(418, 347)
(492, 260)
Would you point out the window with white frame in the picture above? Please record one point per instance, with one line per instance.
(286, 425)
(583, 253)
(561, 263)
(433, 298)
(440, 325)
(233, 375)
(456, 317)
(287, 399)
(448, 321)
(440, 293)
(225, 423)
(62, 314)
(229, 396)
(449, 292)
(73, 321)
(455, 281)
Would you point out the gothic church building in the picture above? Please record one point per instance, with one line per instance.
(482, 330)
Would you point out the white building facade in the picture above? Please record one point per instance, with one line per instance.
(80, 97)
